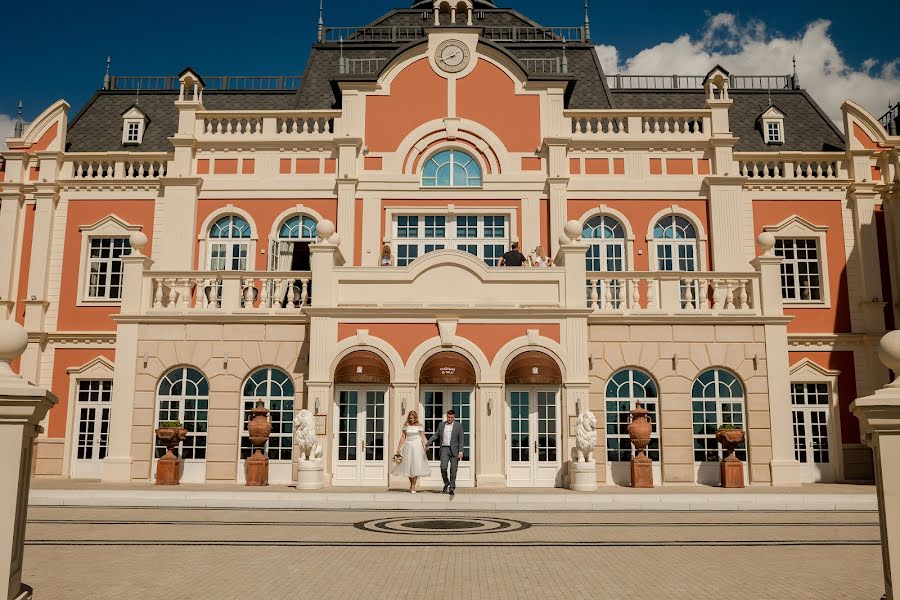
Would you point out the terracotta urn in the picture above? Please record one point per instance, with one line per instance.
(732, 469)
(640, 430)
(168, 467)
(259, 427)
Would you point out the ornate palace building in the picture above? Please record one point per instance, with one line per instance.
(719, 250)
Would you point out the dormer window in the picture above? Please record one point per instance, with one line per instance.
(134, 122)
(772, 125)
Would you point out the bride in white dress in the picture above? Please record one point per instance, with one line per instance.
(412, 449)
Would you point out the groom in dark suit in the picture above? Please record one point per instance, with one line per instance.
(450, 436)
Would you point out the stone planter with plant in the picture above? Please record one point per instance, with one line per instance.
(168, 467)
(731, 436)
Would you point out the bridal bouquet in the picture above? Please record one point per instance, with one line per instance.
(397, 458)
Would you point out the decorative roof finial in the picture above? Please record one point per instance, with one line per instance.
(137, 95)
(106, 78)
(587, 23)
(321, 31)
(795, 79)
(20, 125)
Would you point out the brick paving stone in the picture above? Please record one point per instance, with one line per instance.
(75, 553)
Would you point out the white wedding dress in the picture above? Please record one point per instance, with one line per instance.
(415, 462)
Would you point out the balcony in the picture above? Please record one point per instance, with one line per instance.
(261, 126)
(226, 292)
(640, 125)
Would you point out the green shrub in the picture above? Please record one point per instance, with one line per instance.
(170, 424)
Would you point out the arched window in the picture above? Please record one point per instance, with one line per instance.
(229, 244)
(451, 168)
(276, 390)
(183, 395)
(623, 391)
(717, 398)
(290, 250)
(676, 244)
(606, 237)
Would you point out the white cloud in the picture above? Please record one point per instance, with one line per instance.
(7, 126)
(749, 49)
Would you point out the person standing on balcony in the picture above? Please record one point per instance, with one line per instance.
(386, 259)
(513, 258)
(539, 258)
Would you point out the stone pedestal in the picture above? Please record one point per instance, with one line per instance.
(257, 469)
(641, 472)
(732, 472)
(879, 415)
(584, 477)
(168, 470)
(22, 408)
(310, 475)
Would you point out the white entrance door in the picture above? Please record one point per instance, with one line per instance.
(360, 455)
(435, 404)
(92, 406)
(532, 448)
(812, 447)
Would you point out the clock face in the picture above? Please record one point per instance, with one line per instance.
(452, 56)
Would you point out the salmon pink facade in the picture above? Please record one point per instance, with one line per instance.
(712, 247)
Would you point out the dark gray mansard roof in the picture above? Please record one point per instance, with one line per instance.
(98, 126)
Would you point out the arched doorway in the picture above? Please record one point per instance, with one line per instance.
(361, 383)
(533, 441)
(447, 381)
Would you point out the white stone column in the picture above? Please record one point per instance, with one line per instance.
(22, 407)
(490, 444)
(879, 415)
(10, 211)
(117, 464)
(785, 468)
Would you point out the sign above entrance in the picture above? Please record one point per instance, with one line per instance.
(447, 368)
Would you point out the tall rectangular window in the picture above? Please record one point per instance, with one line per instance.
(105, 268)
(800, 272)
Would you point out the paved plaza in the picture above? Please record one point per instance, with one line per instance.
(102, 552)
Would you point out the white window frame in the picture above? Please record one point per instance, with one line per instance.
(450, 241)
(204, 241)
(796, 227)
(109, 227)
(699, 241)
(807, 371)
(97, 368)
(133, 116)
(280, 468)
(452, 186)
(195, 468)
(774, 117)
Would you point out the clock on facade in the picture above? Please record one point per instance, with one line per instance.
(452, 56)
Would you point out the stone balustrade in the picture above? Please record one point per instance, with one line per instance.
(229, 291)
(640, 124)
(115, 166)
(673, 292)
(265, 125)
(791, 166)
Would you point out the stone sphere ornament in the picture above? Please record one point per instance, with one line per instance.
(889, 352)
(573, 229)
(564, 240)
(325, 229)
(766, 241)
(13, 341)
(138, 240)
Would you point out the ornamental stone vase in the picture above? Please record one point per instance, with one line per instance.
(259, 427)
(731, 466)
(168, 467)
(639, 431)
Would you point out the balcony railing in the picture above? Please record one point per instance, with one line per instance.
(259, 125)
(640, 124)
(109, 166)
(227, 291)
(791, 166)
(673, 292)
(234, 83)
(349, 35)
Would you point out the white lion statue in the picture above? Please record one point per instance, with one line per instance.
(586, 436)
(305, 434)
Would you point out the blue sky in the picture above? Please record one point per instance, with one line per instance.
(64, 57)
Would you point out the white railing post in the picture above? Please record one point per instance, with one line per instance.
(879, 415)
(572, 256)
(22, 408)
(231, 294)
(135, 298)
(324, 257)
(669, 299)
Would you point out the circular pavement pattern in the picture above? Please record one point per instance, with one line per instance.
(442, 525)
